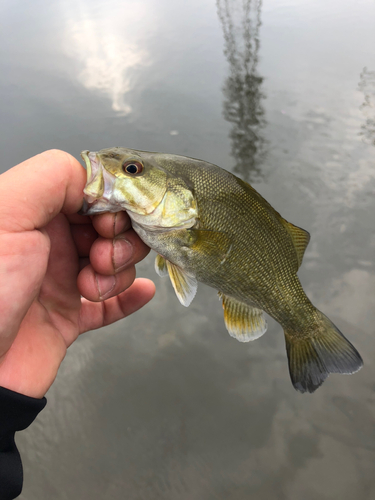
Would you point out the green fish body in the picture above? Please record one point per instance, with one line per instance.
(209, 226)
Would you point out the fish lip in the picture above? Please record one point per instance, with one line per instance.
(91, 204)
(92, 165)
(85, 209)
(87, 206)
(85, 157)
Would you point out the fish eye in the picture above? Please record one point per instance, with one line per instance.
(132, 167)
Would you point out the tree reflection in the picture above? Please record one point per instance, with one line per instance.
(367, 85)
(242, 90)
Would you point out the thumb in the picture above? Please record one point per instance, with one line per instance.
(31, 194)
(35, 191)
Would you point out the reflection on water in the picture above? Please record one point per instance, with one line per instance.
(367, 85)
(106, 52)
(242, 90)
(346, 295)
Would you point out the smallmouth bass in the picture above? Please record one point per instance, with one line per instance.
(209, 226)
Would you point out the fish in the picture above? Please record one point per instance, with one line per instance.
(208, 225)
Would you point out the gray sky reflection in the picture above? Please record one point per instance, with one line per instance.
(367, 86)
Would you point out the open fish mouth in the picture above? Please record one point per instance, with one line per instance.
(99, 189)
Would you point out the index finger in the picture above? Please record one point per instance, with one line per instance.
(35, 191)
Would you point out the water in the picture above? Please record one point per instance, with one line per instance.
(165, 405)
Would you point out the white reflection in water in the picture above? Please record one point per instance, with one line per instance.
(106, 49)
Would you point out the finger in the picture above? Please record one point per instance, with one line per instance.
(97, 287)
(79, 219)
(84, 236)
(95, 315)
(111, 256)
(35, 191)
(110, 225)
(83, 262)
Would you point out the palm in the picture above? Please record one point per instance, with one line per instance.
(59, 299)
(52, 322)
(57, 315)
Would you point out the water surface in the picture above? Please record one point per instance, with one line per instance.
(165, 404)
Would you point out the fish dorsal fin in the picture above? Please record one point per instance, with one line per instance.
(300, 238)
(184, 284)
(243, 322)
(161, 266)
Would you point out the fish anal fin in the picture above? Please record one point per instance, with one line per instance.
(184, 284)
(161, 266)
(243, 322)
(300, 238)
(313, 357)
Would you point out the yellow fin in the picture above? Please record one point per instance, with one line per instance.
(161, 266)
(213, 243)
(184, 284)
(243, 322)
(300, 238)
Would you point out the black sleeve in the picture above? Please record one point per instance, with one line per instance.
(16, 413)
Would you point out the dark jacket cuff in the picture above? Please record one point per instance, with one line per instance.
(17, 412)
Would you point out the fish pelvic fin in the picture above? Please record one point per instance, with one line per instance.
(184, 284)
(313, 357)
(243, 322)
(161, 266)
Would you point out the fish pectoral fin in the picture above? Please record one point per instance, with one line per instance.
(184, 284)
(243, 322)
(300, 238)
(212, 243)
(161, 266)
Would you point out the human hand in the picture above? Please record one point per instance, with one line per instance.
(49, 257)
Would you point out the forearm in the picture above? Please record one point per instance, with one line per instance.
(16, 413)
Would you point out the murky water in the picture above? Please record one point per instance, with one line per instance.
(165, 405)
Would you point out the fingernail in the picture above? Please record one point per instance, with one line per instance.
(105, 285)
(122, 253)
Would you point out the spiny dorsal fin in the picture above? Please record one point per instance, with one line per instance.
(243, 322)
(184, 284)
(161, 266)
(300, 238)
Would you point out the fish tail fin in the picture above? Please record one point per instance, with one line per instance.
(322, 351)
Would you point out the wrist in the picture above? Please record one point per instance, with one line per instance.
(29, 379)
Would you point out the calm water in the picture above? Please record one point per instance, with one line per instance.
(165, 405)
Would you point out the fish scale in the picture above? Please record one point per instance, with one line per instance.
(249, 255)
(209, 226)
